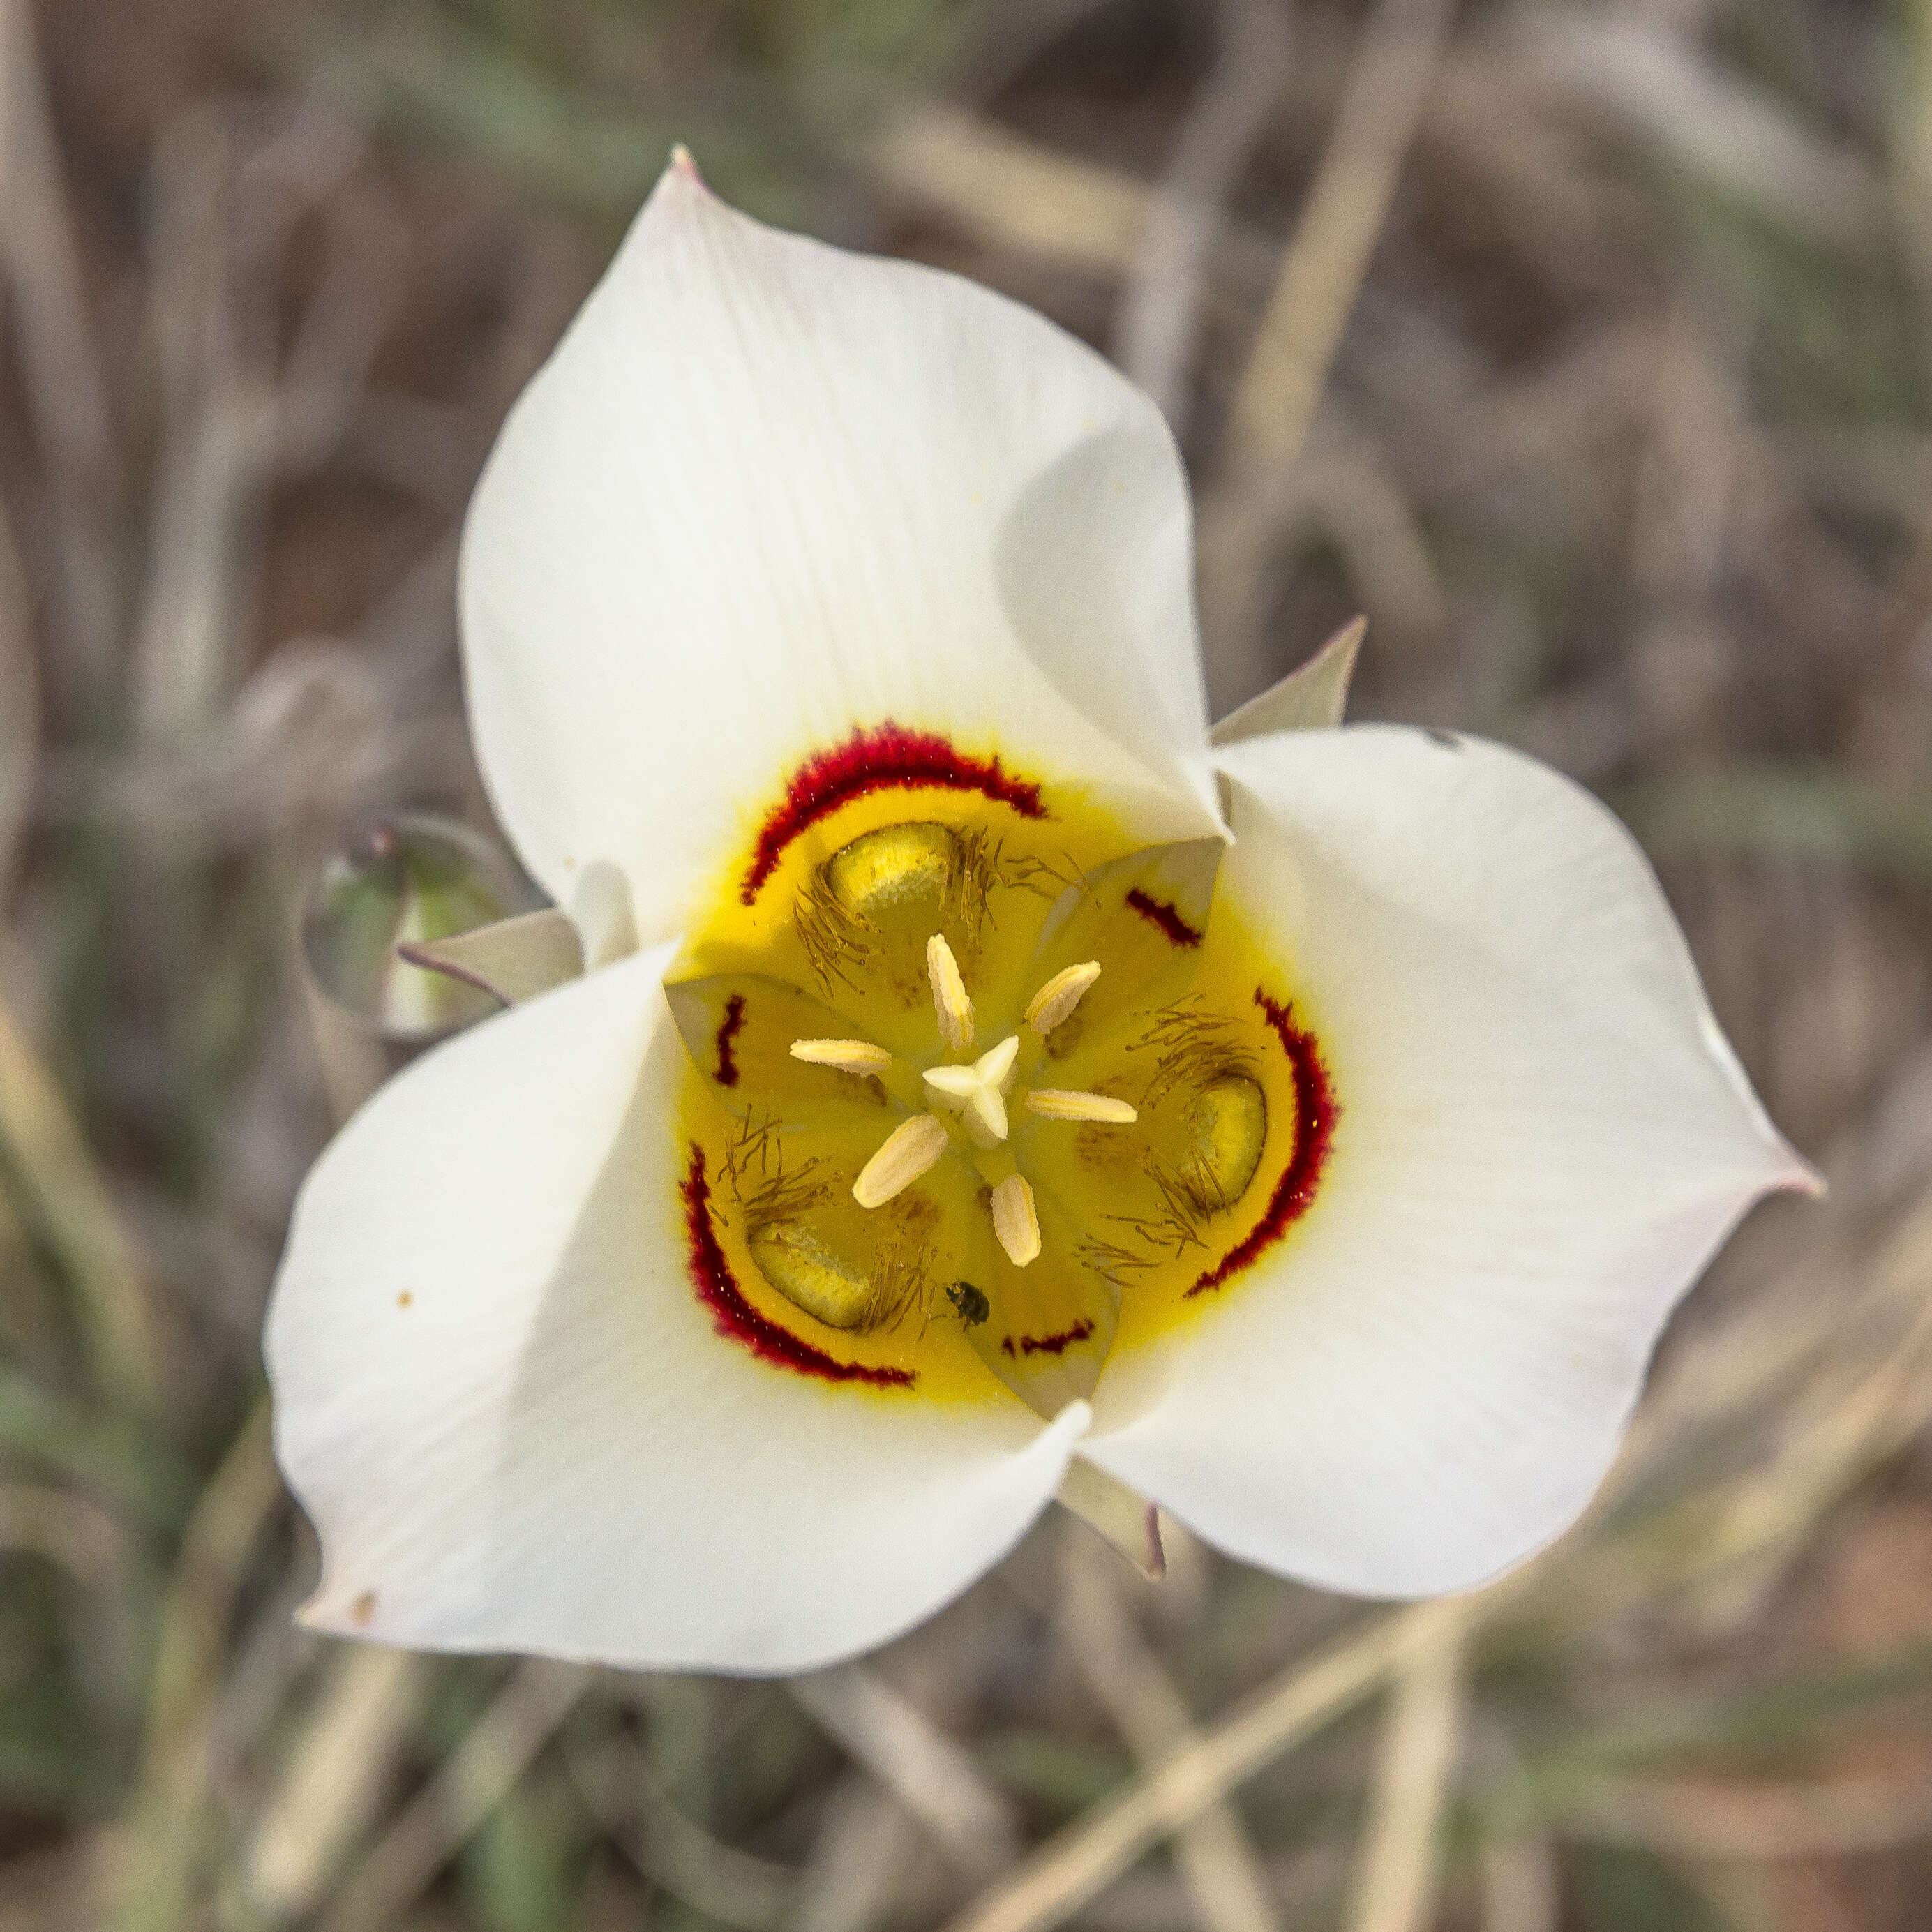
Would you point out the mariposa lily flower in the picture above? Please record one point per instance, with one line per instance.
(954, 1078)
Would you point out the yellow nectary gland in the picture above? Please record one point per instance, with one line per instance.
(1227, 1128)
(894, 867)
(811, 1276)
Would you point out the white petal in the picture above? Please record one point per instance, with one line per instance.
(514, 1425)
(1542, 1137)
(766, 492)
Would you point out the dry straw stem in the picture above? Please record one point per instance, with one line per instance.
(473, 1780)
(1262, 488)
(860, 1859)
(1301, 327)
(1016, 196)
(1704, 1819)
(1072, 1868)
(238, 417)
(72, 1886)
(625, 1796)
(1397, 1881)
(1522, 1887)
(353, 1735)
(1224, 1881)
(19, 705)
(63, 384)
(68, 1530)
(1841, 1377)
(1013, 192)
(935, 1780)
(192, 1647)
(1154, 333)
(1660, 84)
(58, 1191)
(1844, 1424)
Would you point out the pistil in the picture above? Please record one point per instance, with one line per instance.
(977, 1093)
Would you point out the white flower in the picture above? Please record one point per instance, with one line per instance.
(1016, 1124)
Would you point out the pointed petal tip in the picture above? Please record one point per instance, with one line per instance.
(1312, 696)
(1800, 1177)
(681, 187)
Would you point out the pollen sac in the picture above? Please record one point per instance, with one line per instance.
(805, 1271)
(1227, 1128)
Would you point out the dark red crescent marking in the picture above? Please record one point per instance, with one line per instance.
(1050, 1345)
(1158, 912)
(1315, 1116)
(729, 1028)
(717, 1288)
(869, 761)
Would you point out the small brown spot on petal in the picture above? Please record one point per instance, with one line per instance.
(363, 1608)
(403, 1299)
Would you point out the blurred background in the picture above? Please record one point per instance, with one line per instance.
(1586, 347)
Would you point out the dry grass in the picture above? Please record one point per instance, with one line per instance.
(1583, 348)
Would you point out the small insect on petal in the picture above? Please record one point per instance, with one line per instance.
(1060, 994)
(909, 1151)
(848, 1056)
(1016, 1221)
(1060, 1103)
(949, 998)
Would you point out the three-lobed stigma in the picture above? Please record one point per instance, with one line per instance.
(985, 1095)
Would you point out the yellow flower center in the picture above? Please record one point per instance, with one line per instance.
(977, 1086)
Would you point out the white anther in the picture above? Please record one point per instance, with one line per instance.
(1061, 1103)
(910, 1151)
(1014, 1220)
(1060, 995)
(978, 1093)
(949, 994)
(849, 1056)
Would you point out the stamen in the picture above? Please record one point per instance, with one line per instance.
(1061, 1103)
(949, 994)
(1060, 994)
(848, 1056)
(1016, 1221)
(911, 1150)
